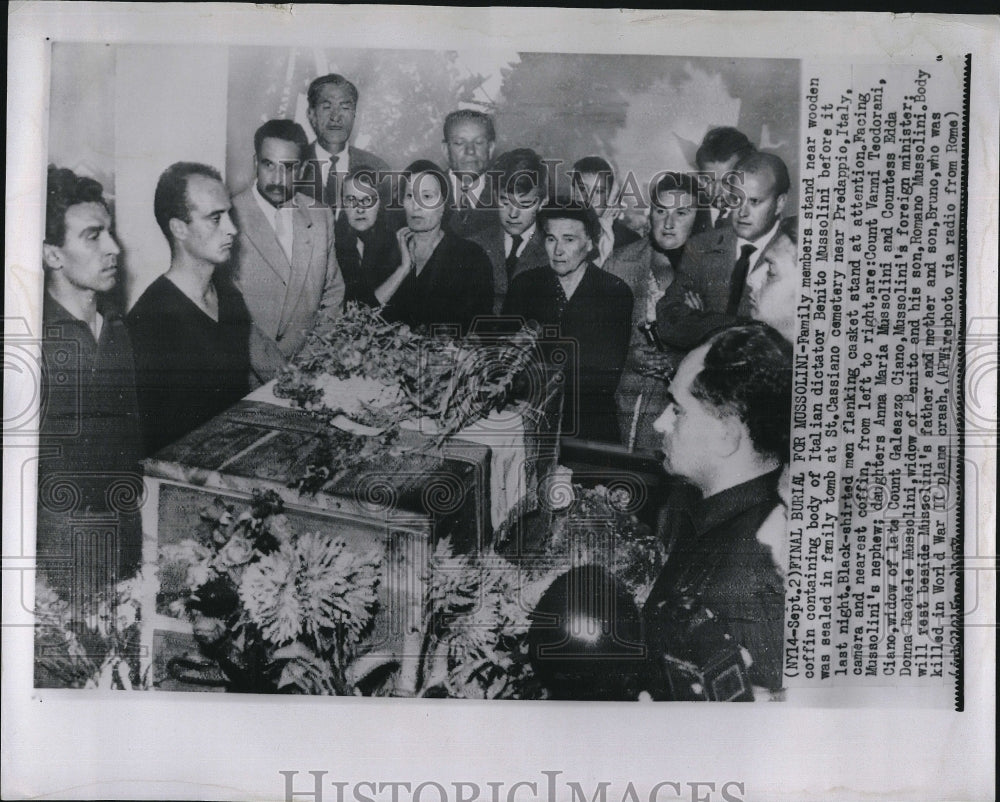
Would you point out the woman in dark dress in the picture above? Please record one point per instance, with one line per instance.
(367, 250)
(650, 267)
(442, 280)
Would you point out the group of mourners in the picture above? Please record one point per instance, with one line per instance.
(680, 331)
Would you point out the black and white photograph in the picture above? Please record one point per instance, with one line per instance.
(416, 382)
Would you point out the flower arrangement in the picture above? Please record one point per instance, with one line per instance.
(97, 646)
(277, 610)
(452, 382)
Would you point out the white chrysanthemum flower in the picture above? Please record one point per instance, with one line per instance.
(336, 586)
(268, 593)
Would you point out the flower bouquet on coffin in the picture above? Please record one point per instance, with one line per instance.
(274, 609)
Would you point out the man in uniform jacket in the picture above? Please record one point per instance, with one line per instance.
(285, 262)
(593, 311)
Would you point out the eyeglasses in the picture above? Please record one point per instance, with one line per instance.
(366, 202)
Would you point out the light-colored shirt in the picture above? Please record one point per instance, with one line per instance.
(473, 190)
(323, 156)
(760, 244)
(280, 220)
(508, 240)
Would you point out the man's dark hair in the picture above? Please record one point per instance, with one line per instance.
(760, 161)
(748, 373)
(521, 172)
(333, 78)
(594, 165)
(286, 130)
(721, 145)
(566, 209)
(65, 188)
(470, 115)
(171, 197)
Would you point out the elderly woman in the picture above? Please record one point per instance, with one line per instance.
(442, 279)
(367, 250)
(651, 270)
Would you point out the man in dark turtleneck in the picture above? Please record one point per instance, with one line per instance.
(650, 267)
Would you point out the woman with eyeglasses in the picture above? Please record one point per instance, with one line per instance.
(367, 249)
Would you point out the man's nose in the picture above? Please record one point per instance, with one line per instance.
(665, 422)
(470, 148)
(111, 246)
(228, 226)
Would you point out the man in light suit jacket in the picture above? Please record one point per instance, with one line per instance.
(513, 241)
(285, 264)
(333, 104)
(720, 262)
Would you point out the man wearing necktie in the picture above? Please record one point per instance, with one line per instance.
(333, 105)
(512, 240)
(285, 262)
(468, 145)
(719, 263)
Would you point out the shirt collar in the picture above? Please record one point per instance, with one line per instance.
(54, 313)
(268, 210)
(475, 188)
(323, 155)
(526, 236)
(759, 244)
(729, 503)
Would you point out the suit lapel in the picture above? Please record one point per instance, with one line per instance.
(261, 235)
(303, 244)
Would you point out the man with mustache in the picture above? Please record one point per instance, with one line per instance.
(89, 444)
(190, 328)
(285, 263)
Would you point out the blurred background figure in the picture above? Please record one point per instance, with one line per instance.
(593, 183)
(651, 269)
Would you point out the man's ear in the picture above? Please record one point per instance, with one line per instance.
(779, 206)
(178, 228)
(51, 256)
(489, 153)
(730, 435)
(444, 152)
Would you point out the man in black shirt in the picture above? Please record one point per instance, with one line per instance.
(190, 328)
(715, 616)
